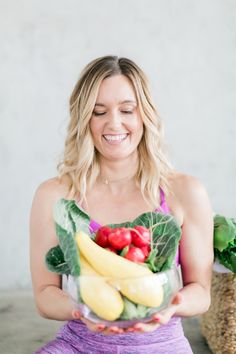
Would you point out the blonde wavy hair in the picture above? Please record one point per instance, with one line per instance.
(80, 162)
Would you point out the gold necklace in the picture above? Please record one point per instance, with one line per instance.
(107, 181)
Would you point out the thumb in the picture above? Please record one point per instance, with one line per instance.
(178, 298)
(76, 314)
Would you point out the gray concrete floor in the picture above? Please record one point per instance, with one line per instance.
(22, 330)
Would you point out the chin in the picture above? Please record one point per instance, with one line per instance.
(117, 156)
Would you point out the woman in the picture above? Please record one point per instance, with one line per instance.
(115, 166)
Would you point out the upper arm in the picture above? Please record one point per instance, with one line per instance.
(196, 245)
(42, 235)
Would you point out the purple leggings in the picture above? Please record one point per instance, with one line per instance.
(75, 338)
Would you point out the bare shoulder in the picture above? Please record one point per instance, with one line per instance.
(41, 213)
(187, 186)
(188, 194)
(47, 194)
(53, 188)
(189, 191)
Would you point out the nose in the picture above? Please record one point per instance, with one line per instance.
(115, 119)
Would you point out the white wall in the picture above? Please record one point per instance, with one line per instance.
(186, 47)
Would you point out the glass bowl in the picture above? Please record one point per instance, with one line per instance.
(123, 302)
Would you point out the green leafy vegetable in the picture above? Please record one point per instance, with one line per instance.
(227, 257)
(69, 249)
(80, 219)
(224, 232)
(225, 241)
(55, 261)
(70, 216)
(132, 310)
(69, 219)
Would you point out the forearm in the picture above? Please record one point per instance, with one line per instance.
(195, 300)
(55, 304)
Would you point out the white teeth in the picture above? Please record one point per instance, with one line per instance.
(115, 137)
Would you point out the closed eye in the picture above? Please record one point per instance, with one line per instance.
(102, 113)
(99, 114)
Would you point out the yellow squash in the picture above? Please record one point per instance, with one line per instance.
(135, 281)
(103, 299)
(106, 262)
(145, 290)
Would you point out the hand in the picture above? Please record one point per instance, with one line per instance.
(96, 327)
(159, 318)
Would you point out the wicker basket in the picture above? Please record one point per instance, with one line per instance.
(218, 324)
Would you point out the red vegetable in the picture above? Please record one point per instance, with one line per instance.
(140, 236)
(135, 254)
(102, 236)
(146, 250)
(119, 238)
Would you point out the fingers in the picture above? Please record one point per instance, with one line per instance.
(130, 329)
(115, 330)
(164, 316)
(76, 314)
(146, 327)
(177, 299)
(95, 327)
(112, 330)
(100, 327)
(138, 327)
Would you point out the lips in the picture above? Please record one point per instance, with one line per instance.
(115, 138)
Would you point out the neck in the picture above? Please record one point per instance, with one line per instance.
(118, 175)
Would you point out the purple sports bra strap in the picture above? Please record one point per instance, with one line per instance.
(162, 196)
(165, 209)
(163, 205)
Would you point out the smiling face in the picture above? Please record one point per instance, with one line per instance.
(116, 125)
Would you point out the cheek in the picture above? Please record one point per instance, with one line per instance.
(94, 129)
(137, 128)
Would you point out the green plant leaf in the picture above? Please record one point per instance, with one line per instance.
(166, 234)
(124, 224)
(124, 251)
(129, 311)
(69, 218)
(152, 259)
(223, 220)
(228, 256)
(225, 241)
(142, 311)
(224, 231)
(61, 215)
(69, 248)
(133, 311)
(55, 261)
(80, 219)
(223, 234)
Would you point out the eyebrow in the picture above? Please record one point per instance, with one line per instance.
(125, 101)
